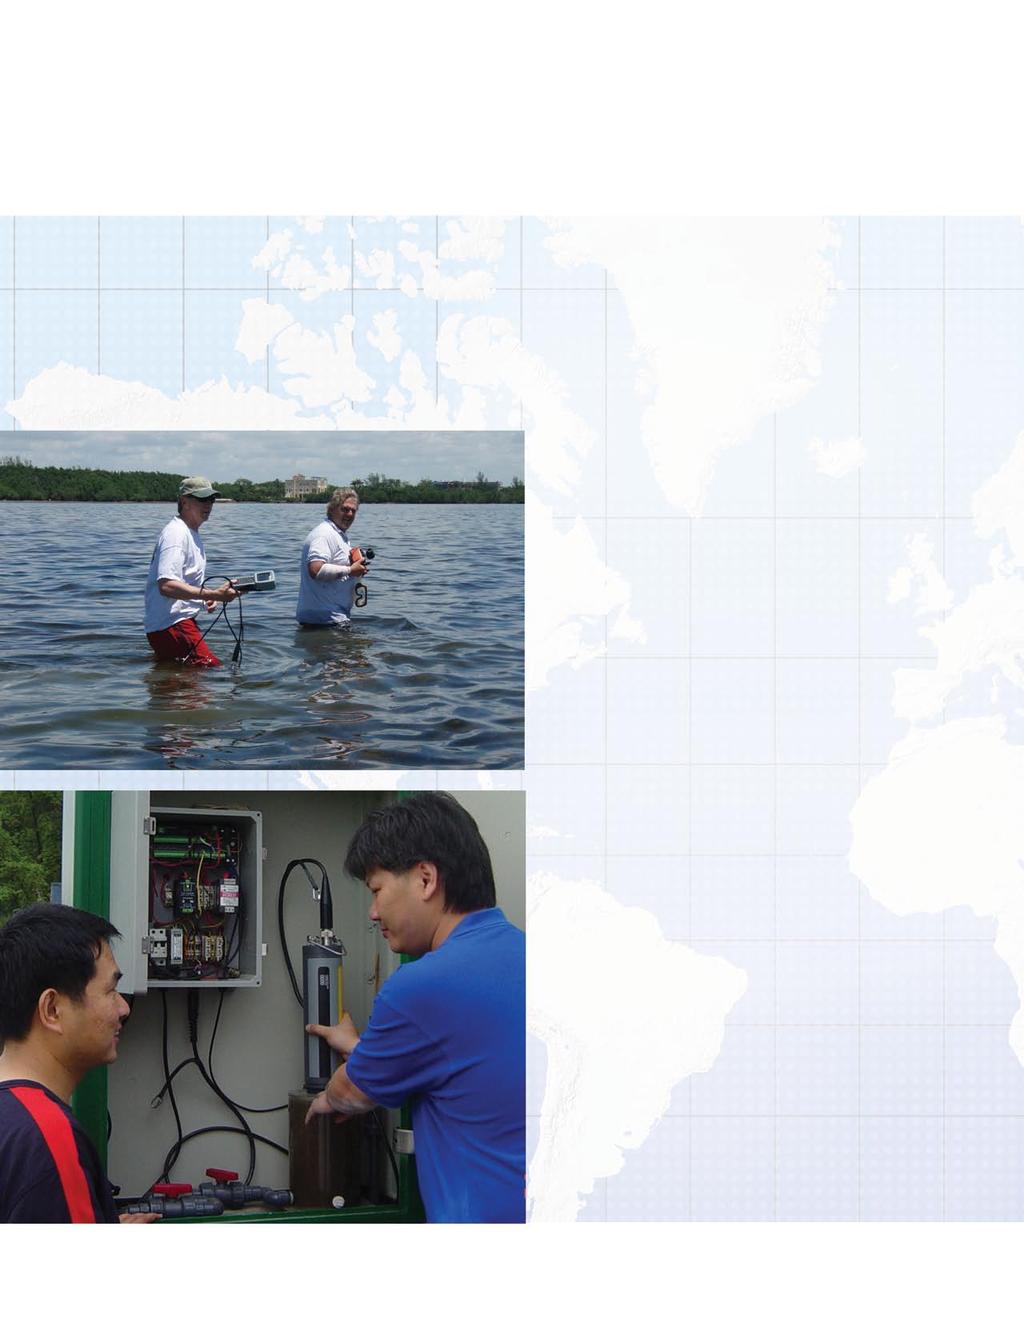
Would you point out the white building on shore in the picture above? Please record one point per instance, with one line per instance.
(299, 486)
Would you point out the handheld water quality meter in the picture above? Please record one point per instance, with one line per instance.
(262, 581)
(322, 1003)
(322, 978)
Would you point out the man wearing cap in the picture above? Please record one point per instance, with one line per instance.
(328, 570)
(174, 588)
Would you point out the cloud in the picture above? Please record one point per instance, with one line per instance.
(64, 397)
(260, 454)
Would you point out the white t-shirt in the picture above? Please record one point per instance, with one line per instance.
(179, 554)
(330, 602)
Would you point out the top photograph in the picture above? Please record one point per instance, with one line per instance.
(274, 600)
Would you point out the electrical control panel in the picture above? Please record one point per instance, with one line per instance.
(204, 898)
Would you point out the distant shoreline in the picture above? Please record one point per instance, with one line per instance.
(24, 481)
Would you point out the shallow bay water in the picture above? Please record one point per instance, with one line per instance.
(428, 674)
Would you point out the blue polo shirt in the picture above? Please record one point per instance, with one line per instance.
(448, 1034)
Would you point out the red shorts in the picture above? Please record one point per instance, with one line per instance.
(182, 641)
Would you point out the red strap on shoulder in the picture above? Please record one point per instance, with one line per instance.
(60, 1140)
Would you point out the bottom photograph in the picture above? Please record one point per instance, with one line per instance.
(272, 1006)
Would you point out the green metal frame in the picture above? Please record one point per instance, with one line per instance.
(91, 891)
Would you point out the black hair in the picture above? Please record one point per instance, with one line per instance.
(46, 946)
(431, 827)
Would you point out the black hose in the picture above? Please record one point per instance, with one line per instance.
(222, 614)
(175, 1149)
(168, 1077)
(159, 1097)
(295, 863)
(193, 1033)
(195, 1060)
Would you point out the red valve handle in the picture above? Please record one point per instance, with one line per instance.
(172, 1189)
(221, 1174)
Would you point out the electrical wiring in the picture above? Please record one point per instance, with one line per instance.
(197, 906)
(208, 912)
(168, 1077)
(208, 923)
(196, 1060)
(193, 1034)
(175, 1150)
(168, 1087)
(235, 946)
(158, 1097)
(209, 1058)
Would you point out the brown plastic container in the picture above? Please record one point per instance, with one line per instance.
(325, 1157)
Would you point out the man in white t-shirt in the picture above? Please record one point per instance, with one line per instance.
(329, 565)
(174, 588)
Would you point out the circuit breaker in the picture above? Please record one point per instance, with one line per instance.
(204, 898)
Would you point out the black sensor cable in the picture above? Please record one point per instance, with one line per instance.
(238, 635)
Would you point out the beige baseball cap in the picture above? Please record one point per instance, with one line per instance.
(200, 488)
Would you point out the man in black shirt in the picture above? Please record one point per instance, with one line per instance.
(60, 1015)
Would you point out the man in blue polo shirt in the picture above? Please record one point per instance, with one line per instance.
(448, 1030)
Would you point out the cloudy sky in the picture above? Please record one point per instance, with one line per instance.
(261, 456)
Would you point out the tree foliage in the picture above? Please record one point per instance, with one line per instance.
(22, 481)
(30, 847)
(378, 489)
